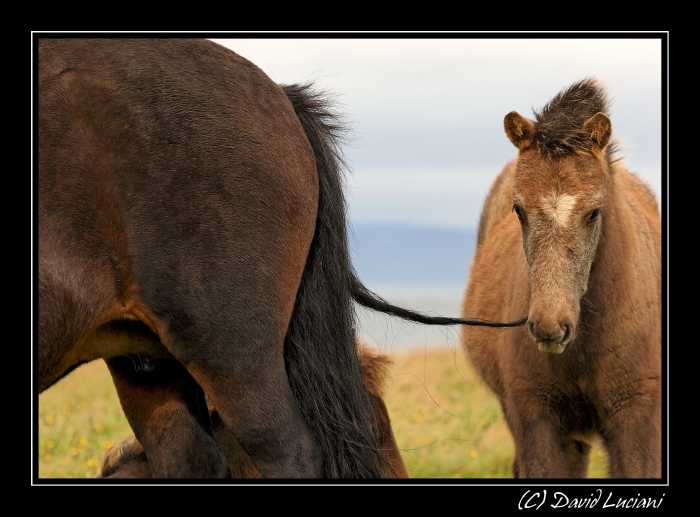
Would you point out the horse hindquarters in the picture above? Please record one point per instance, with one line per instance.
(198, 222)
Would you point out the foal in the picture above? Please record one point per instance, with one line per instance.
(571, 238)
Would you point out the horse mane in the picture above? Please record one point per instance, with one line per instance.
(559, 124)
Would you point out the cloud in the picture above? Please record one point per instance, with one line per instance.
(427, 113)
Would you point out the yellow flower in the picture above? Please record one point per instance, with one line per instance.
(74, 451)
(49, 419)
(416, 416)
(82, 442)
(47, 457)
(50, 444)
(473, 454)
(106, 445)
(92, 462)
(98, 428)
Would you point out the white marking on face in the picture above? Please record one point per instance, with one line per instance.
(559, 207)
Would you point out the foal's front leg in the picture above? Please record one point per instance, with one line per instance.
(542, 448)
(168, 413)
(633, 440)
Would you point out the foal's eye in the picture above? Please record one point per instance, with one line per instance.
(516, 209)
(594, 215)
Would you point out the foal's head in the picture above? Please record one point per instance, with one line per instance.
(559, 189)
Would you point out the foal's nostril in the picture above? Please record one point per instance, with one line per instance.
(531, 327)
(567, 332)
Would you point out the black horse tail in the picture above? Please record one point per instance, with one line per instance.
(368, 299)
(320, 348)
(320, 351)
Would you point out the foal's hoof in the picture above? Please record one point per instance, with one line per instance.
(552, 348)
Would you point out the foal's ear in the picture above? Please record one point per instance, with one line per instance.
(519, 130)
(600, 129)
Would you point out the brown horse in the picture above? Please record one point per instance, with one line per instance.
(192, 233)
(127, 459)
(568, 236)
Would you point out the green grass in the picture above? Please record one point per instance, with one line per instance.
(79, 418)
(446, 423)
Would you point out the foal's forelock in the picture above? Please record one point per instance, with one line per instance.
(561, 125)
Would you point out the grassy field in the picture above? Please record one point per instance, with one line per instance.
(446, 423)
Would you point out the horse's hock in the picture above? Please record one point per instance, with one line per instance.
(571, 238)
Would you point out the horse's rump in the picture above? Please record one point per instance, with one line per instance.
(178, 197)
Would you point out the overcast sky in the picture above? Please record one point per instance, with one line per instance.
(427, 113)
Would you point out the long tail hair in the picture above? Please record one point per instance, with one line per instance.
(320, 348)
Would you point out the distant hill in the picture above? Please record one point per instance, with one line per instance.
(415, 256)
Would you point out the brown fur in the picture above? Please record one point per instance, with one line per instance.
(127, 459)
(560, 127)
(375, 368)
(585, 264)
(192, 232)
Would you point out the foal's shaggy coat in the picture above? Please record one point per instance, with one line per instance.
(572, 239)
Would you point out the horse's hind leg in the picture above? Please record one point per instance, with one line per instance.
(238, 460)
(224, 303)
(232, 345)
(168, 413)
(249, 387)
